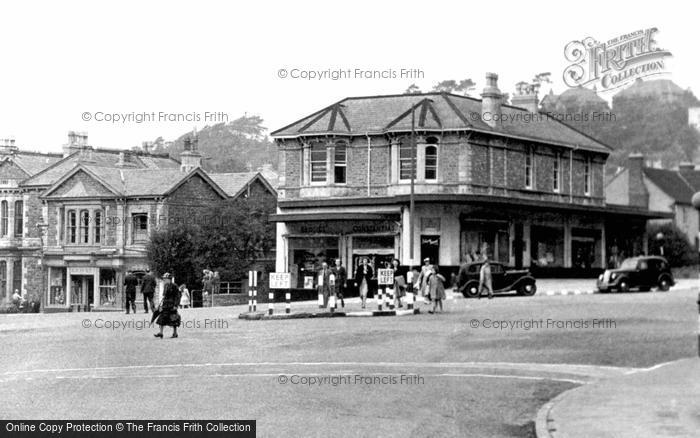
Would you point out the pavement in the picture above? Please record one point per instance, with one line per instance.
(662, 401)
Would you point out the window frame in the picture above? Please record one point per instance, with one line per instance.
(98, 227)
(431, 167)
(556, 169)
(587, 180)
(72, 226)
(84, 227)
(341, 165)
(530, 168)
(401, 160)
(19, 218)
(318, 167)
(4, 218)
(141, 235)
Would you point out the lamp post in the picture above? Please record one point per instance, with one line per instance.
(412, 201)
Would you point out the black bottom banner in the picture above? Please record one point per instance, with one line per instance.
(127, 428)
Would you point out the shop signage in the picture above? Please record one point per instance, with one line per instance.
(385, 276)
(345, 227)
(82, 271)
(280, 280)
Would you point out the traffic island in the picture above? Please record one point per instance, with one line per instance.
(254, 316)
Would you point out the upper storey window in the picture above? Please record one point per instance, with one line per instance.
(340, 163)
(318, 159)
(431, 159)
(529, 168)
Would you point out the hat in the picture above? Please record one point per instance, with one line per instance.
(427, 259)
(166, 275)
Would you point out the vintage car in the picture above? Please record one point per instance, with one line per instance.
(504, 279)
(643, 273)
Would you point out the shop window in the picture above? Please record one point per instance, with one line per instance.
(3, 218)
(379, 251)
(17, 275)
(340, 164)
(57, 287)
(556, 169)
(318, 163)
(72, 226)
(140, 227)
(430, 248)
(547, 248)
(3, 279)
(84, 226)
(19, 218)
(482, 239)
(99, 227)
(108, 288)
(406, 163)
(307, 254)
(586, 248)
(431, 162)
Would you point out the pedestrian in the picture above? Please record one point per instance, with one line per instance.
(363, 277)
(130, 281)
(341, 278)
(148, 288)
(399, 282)
(423, 280)
(436, 286)
(168, 307)
(215, 282)
(184, 297)
(323, 285)
(485, 279)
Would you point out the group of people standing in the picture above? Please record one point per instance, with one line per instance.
(211, 282)
(166, 312)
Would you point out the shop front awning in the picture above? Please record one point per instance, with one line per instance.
(389, 214)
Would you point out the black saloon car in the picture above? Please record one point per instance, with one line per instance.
(504, 279)
(643, 273)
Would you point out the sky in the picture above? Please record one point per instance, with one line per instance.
(203, 62)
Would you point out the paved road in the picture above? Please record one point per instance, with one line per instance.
(483, 368)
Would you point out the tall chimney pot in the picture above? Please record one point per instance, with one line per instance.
(491, 101)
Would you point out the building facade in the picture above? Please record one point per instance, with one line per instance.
(73, 224)
(489, 180)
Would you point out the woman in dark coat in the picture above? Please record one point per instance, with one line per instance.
(168, 308)
(399, 281)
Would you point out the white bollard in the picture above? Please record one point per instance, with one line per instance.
(287, 302)
(270, 303)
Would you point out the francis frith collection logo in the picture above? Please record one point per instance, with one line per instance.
(616, 62)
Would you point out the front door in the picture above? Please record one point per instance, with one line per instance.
(430, 248)
(82, 290)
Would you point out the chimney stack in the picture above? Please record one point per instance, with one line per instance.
(190, 158)
(491, 101)
(638, 194)
(525, 97)
(76, 142)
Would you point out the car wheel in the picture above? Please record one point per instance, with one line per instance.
(624, 286)
(664, 285)
(528, 289)
(471, 291)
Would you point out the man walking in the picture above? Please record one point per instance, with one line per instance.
(324, 279)
(130, 281)
(485, 279)
(148, 288)
(341, 276)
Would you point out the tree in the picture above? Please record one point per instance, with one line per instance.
(228, 237)
(677, 250)
(412, 89)
(451, 86)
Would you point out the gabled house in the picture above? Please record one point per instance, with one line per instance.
(663, 190)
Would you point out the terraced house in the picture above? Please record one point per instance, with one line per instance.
(74, 223)
(489, 178)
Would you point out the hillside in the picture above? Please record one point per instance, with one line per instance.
(228, 147)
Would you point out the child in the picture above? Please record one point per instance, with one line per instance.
(436, 286)
(184, 297)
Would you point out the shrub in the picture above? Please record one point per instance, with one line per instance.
(676, 247)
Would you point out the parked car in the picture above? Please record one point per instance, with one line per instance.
(504, 279)
(643, 273)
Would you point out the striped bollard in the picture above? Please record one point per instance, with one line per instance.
(255, 291)
(380, 298)
(270, 302)
(250, 291)
(287, 302)
(410, 296)
(391, 298)
(331, 303)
